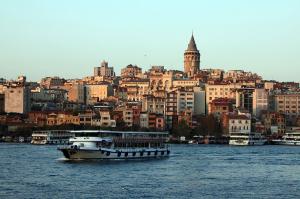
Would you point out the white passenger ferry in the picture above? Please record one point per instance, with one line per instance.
(244, 139)
(116, 145)
(291, 138)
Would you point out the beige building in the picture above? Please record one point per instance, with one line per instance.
(185, 101)
(86, 118)
(17, 99)
(160, 79)
(97, 92)
(106, 120)
(153, 104)
(135, 89)
(128, 117)
(52, 82)
(75, 92)
(239, 123)
(185, 83)
(131, 71)
(240, 75)
(260, 101)
(54, 119)
(289, 104)
(214, 91)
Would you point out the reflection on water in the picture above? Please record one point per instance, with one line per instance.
(192, 171)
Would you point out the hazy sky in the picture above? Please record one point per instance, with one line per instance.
(68, 38)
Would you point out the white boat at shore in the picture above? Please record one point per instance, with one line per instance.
(246, 139)
(291, 138)
(51, 137)
(116, 145)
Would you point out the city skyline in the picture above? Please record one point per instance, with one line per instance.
(43, 39)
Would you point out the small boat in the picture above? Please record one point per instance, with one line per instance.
(116, 145)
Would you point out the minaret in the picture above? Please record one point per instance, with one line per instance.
(191, 58)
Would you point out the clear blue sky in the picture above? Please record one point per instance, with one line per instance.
(68, 38)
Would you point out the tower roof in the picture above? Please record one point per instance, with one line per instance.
(192, 45)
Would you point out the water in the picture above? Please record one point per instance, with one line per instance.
(193, 171)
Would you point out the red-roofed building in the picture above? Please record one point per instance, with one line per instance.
(220, 106)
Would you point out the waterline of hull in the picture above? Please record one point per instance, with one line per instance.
(96, 154)
(246, 143)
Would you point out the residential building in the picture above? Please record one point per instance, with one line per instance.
(260, 101)
(171, 116)
(52, 82)
(128, 117)
(86, 118)
(144, 120)
(160, 123)
(38, 117)
(75, 92)
(185, 100)
(17, 99)
(274, 122)
(135, 88)
(105, 118)
(153, 104)
(220, 106)
(131, 71)
(214, 91)
(97, 92)
(178, 83)
(56, 119)
(233, 122)
(289, 104)
(199, 101)
(2, 103)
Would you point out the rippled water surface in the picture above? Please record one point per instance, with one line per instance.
(192, 171)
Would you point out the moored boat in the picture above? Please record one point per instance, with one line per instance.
(51, 137)
(244, 139)
(116, 145)
(291, 138)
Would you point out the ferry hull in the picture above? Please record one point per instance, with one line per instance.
(247, 143)
(289, 143)
(74, 154)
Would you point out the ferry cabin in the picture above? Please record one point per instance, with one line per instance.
(51, 137)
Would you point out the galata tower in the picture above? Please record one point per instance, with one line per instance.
(191, 58)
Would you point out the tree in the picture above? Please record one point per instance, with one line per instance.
(182, 130)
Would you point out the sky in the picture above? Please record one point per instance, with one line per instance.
(40, 38)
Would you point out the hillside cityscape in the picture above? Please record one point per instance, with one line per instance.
(194, 102)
